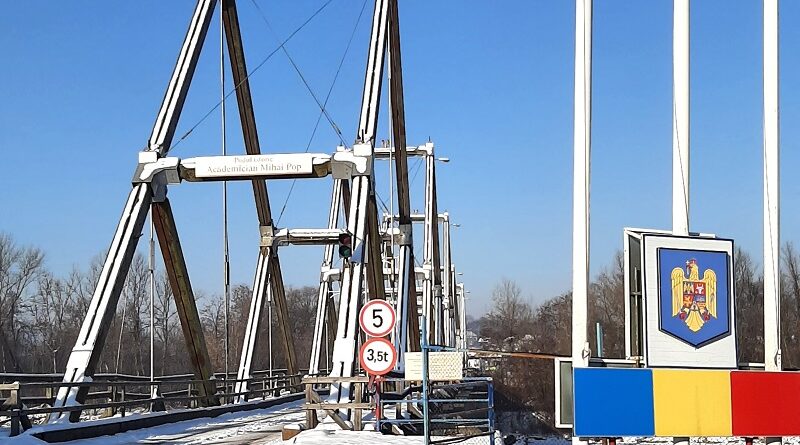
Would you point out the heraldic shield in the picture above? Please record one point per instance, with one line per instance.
(694, 299)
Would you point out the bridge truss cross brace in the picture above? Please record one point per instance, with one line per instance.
(85, 355)
(353, 192)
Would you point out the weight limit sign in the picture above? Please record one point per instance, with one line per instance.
(377, 356)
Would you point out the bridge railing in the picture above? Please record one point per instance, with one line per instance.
(30, 398)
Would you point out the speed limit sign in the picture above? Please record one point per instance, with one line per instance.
(377, 318)
(377, 356)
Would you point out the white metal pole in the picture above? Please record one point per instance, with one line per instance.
(680, 128)
(580, 194)
(152, 261)
(580, 216)
(225, 253)
(269, 322)
(680, 118)
(772, 283)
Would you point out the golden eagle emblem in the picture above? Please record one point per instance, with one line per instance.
(694, 300)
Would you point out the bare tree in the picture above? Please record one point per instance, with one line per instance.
(606, 306)
(790, 307)
(19, 268)
(165, 314)
(510, 316)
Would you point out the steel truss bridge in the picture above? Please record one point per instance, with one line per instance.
(383, 264)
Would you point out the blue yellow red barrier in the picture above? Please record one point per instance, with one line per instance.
(614, 402)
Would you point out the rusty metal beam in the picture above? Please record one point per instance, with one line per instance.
(397, 105)
(174, 262)
(244, 100)
(406, 268)
(375, 277)
(282, 312)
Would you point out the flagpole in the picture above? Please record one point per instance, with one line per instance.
(680, 128)
(581, 176)
(772, 246)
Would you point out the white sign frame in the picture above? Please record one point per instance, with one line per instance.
(664, 350)
(440, 366)
(291, 164)
(366, 315)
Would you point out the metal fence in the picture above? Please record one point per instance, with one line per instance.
(30, 398)
(460, 412)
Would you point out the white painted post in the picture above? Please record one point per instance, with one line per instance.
(771, 190)
(680, 118)
(580, 199)
(772, 284)
(680, 128)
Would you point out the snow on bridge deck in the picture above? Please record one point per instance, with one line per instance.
(250, 427)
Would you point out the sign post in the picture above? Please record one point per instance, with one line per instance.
(377, 355)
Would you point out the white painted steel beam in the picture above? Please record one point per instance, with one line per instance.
(88, 347)
(358, 222)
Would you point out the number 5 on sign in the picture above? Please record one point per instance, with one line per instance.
(377, 356)
(377, 318)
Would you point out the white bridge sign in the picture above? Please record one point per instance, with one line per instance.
(253, 165)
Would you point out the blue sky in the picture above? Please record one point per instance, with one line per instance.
(490, 83)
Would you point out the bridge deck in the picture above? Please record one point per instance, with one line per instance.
(250, 427)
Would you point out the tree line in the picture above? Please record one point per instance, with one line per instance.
(515, 324)
(41, 315)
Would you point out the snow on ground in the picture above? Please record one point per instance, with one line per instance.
(263, 427)
(260, 427)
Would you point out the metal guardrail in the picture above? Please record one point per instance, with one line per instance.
(117, 394)
(458, 417)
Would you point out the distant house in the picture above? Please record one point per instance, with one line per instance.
(472, 340)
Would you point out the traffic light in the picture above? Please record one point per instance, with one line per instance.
(345, 245)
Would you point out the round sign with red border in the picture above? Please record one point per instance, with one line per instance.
(377, 318)
(377, 356)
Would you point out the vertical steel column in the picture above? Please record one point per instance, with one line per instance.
(344, 351)
(322, 319)
(437, 266)
(432, 292)
(447, 305)
(257, 300)
(87, 350)
(345, 345)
